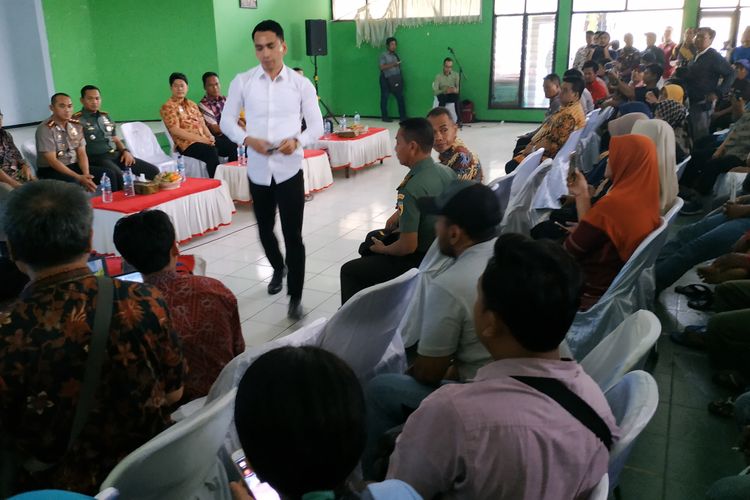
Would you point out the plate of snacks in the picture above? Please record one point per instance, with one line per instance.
(169, 180)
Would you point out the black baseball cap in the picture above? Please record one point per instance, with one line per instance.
(470, 205)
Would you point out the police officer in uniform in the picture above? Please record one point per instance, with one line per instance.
(409, 233)
(61, 148)
(102, 145)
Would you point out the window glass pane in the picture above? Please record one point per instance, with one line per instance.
(377, 8)
(719, 3)
(597, 5)
(533, 6)
(345, 9)
(509, 7)
(540, 43)
(722, 25)
(651, 4)
(506, 66)
(421, 9)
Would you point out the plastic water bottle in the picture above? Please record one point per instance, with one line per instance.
(244, 155)
(342, 123)
(357, 118)
(240, 154)
(328, 125)
(106, 186)
(181, 169)
(128, 181)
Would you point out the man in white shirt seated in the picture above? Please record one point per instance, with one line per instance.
(467, 217)
(506, 434)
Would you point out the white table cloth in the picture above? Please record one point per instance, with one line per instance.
(359, 152)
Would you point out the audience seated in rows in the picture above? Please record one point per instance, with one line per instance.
(671, 109)
(662, 135)
(14, 168)
(203, 311)
(448, 348)
(103, 147)
(729, 108)
(557, 128)
(551, 86)
(498, 436)
(452, 152)
(45, 340)
(211, 106)
(736, 487)
(300, 417)
(446, 87)
(594, 84)
(609, 231)
(629, 58)
(408, 234)
(587, 102)
(185, 123)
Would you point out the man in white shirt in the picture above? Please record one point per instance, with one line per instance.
(275, 100)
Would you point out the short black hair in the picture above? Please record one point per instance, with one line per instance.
(48, 223)
(269, 25)
(711, 33)
(589, 32)
(389, 40)
(447, 59)
(553, 77)
(145, 240)
(419, 130)
(300, 417)
(86, 88)
(207, 75)
(297, 68)
(591, 64)
(535, 288)
(576, 83)
(177, 76)
(55, 96)
(656, 69)
(439, 111)
(574, 72)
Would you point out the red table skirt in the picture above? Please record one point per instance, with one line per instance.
(334, 137)
(129, 205)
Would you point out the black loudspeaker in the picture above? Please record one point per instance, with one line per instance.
(315, 36)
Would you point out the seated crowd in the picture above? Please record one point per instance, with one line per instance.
(469, 418)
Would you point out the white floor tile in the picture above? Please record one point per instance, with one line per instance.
(310, 298)
(237, 285)
(257, 333)
(224, 267)
(255, 272)
(324, 284)
(274, 314)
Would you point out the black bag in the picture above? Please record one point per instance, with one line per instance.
(395, 83)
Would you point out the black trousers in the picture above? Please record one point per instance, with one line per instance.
(444, 99)
(112, 161)
(522, 142)
(95, 170)
(226, 147)
(702, 170)
(385, 91)
(365, 272)
(205, 153)
(289, 197)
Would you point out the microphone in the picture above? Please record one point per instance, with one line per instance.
(450, 49)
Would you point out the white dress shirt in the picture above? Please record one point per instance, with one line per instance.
(273, 111)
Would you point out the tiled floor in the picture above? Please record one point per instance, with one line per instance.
(681, 452)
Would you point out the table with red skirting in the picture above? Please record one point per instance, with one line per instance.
(357, 152)
(195, 208)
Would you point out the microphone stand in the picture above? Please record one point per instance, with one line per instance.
(329, 114)
(461, 76)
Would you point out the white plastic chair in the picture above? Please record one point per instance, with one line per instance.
(525, 169)
(601, 492)
(621, 299)
(633, 402)
(181, 462)
(596, 119)
(193, 166)
(671, 214)
(28, 149)
(728, 181)
(681, 166)
(555, 185)
(518, 215)
(622, 349)
(361, 331)
(503, 186)
(450, 106)
(142, 143)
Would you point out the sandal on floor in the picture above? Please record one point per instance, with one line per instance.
(723, 408)
(694, 291)
(702, 304)
(730, 379)
(692, 337)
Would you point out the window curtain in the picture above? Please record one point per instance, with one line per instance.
(374, 29)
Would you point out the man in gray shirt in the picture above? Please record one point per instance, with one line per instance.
(391, 80)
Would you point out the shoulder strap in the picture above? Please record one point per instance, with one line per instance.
(572, 403)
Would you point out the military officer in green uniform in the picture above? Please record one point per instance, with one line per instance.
(61, 147)
(409, 233)
(102, 144)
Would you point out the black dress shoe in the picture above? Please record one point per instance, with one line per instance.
(295, 309)
(277, 281)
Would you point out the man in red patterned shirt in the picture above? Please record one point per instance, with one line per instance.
(202, 310)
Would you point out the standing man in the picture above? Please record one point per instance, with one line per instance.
(391, 80)
(629, 58)
(61, 147)
(667, 47)
(275, 100)
(103, 147)
(211, 106)
(583, 52)
(652, 49)
(446, 87)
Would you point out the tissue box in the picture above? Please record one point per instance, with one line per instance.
(148, 187)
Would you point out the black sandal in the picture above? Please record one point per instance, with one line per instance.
(694, 291)
(723, 408)
(730, 379)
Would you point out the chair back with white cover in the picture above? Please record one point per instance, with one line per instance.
(671, 214)
(601, 491)
(501, 187)
(518, 215)
(142, 143)
(182, 461)
(621, 299)
(633, 402)
(728, 182)
(555, 185)
(595, 120)
(28, 150)
(361, 331)
(524, 170)
(681, 166)
(193, 166)
(622, 349)
(449, 106)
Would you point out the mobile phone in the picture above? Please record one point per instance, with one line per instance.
(260, 491)
(134, 277)
(573, 167)
(272, 149)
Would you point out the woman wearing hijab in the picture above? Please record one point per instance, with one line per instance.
(662, 134)
(611, 230)
(14, 170)
(624, 124)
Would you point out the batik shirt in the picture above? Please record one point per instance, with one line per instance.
(11, 159)
(465, 163)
